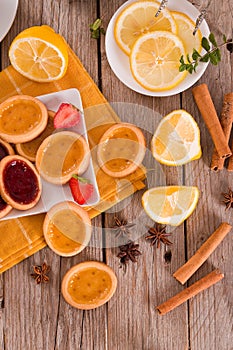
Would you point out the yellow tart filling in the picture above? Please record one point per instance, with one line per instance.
(89, 285)
(30, 148)
(20, 117)
(66, 231)
(62, 155)
(120, 149)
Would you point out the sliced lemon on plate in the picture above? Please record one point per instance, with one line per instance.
(177, 139)
(170, 205)
(155, 60)
(185, 28)
(139, 18)
(39, 54)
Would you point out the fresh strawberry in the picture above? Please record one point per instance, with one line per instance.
(67, 116)
(81, 189)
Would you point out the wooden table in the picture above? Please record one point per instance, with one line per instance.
(37, 317)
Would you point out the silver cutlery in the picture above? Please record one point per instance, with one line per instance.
(161, 7)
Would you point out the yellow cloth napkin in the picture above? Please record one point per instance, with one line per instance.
(22, 237)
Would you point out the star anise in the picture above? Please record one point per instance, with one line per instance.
(122, 227)
(128, 251)
(40, 273)
(228, 199)
(158, 235)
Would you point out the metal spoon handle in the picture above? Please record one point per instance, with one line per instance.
(161, 7)
(199, 20)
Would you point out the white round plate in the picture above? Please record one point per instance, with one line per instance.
(8, 10)
(119, 61)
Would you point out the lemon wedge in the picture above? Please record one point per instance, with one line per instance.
(177, 139)
(139, 18)
(170, 205)
(39, 54)
(185, 28)
(155, 60)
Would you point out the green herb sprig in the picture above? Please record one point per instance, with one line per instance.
(212, 55)
(96, 29)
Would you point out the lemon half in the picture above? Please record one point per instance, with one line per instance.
(177, 139)
(39, 54)
(170, 205)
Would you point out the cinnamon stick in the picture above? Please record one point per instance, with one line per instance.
(230, 164)
(226, 120)
(206, 107)
(178, 299)
(201, 255)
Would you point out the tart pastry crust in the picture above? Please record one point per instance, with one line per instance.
(67, 228)
(29, 149)
(61, 155)
(89, 285)
(5, 149)
(121, 150)
(20, 184)
(22, 118)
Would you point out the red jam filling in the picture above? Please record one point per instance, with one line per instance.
(2, 204)
(3, 151)
(20, 182)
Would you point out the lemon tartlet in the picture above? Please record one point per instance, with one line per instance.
(67, 228)
(22, 118)
(29, 149)
(89, 285)
(121, 149)
(61, 155)
(20, 184)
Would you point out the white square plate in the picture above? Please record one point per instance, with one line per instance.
(52, 194)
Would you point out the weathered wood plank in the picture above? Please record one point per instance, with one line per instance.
(31, 310)
(133, 320)
(211, 311)
(85, 331)
(77, 329)
(1, 314)
(39, 313)
(37, 316)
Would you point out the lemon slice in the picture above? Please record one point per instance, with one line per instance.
(39, 54)
(170, 205)
(139, 18)
(177, 139)
(155, 60)
(185, 28)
